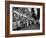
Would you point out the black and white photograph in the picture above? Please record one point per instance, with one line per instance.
(25, 18)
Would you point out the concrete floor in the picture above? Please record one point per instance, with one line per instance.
(31, 27)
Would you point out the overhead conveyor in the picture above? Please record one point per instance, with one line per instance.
(25, 16)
